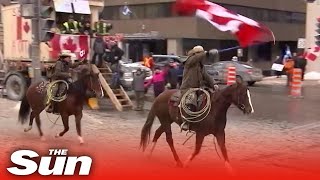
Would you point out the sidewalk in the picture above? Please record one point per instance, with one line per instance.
(273, 80)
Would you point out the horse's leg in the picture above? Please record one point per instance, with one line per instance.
(32, 116)
(220, 136)
(199, 141)
(39, 127)
(78, 118)
(65, 121)
(157, 135)
(170, 142)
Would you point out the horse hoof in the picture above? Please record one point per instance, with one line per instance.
(81, 140)
(229, 168)
(43, 138)
(27, 129)
(57, 135)
(179, 165)
(186, 164)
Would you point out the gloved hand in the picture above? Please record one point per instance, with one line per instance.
(213, 52)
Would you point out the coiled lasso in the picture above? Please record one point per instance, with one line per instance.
(194, 115)
(51, 96)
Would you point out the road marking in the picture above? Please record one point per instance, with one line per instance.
(306, 126)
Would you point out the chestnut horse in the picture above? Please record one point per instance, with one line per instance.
(35, 99)
(215, 123)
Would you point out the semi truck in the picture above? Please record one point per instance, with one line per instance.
(15, 54)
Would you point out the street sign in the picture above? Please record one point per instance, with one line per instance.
(301, 43)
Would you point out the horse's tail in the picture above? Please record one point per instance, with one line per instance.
(145, 133)
(24, 110)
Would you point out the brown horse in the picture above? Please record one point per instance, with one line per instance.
(35, 99)
(214, 123)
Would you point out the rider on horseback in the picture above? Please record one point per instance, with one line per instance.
(61, 72)
(195, 76)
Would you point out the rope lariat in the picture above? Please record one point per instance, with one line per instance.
(50, 93)
(195, 115)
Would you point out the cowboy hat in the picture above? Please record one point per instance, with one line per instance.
(197, 49)
(66, 53)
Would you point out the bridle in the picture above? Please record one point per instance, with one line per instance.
(240, 105)
(91, 85)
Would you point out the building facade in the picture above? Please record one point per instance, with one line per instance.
(175, 34)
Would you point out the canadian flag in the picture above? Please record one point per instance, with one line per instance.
(246, 30)
(77, 44)
(23, 29)
(313, 54)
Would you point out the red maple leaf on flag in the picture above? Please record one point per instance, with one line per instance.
(69, 45)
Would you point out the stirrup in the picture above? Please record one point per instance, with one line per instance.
(182, 126)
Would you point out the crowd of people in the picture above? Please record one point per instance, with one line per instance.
(101, 28)
(163, 78)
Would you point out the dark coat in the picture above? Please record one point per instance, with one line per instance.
(138, 82)
(99, 46)
(115, 54)
(172, 76)
(194, 74)
(62, 70)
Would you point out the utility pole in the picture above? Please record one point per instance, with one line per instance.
(39, 11)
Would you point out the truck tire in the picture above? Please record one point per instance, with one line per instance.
(16, 86)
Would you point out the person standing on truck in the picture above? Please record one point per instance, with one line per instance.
(61, 72)
(71, 26)
(102, 28)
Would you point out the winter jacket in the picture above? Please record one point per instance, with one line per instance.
(194, 74)
(62, 70)
(115, 54)
(172, 76)
(138, 82)
(99, 46)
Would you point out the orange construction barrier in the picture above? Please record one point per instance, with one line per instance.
(296, 84)
(231, 75)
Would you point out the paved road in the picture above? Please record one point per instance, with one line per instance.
(283, 133)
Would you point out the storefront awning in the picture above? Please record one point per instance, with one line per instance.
(72, 6)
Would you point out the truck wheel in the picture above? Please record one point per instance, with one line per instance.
(16, 87)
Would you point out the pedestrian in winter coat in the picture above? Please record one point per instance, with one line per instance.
(115, 53)
(301, 63)
(158, 81)
(99, 48)
(172, 76)
(138, 87)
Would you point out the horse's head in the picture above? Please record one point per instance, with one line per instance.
(241, 97)
(92, 82)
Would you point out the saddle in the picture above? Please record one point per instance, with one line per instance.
(196, 99)
(194, 106)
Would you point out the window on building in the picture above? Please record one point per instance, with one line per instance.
(161, 10)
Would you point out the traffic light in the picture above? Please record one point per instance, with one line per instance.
(317, 36)
(46, 22)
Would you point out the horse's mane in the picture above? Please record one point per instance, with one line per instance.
(79, 86)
